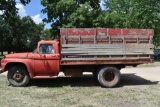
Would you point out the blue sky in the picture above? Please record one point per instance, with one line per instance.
(32, 9)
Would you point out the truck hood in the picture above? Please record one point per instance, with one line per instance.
(17, 55)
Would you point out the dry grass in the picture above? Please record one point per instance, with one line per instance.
(80, 92)
(133, 91)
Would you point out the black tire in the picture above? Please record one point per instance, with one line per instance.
(108, 77)
(18, 76)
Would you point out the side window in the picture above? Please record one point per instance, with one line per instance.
(46, 49)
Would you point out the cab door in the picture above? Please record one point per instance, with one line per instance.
(46, 61)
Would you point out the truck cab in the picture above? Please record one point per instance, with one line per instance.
(43, 62)
(47, 59)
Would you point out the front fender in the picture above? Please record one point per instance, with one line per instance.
(26, 63)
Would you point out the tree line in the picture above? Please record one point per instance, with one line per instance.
(143, 14)
(21, 34)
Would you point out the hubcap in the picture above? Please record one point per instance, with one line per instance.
(109, 76)
(18, 76)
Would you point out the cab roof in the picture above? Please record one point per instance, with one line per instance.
(47, 41)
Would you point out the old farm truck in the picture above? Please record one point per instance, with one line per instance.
(102, 51)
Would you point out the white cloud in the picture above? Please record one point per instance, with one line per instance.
(37, 19)
(21, 11)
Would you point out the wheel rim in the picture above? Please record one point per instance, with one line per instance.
(109, 76)
(18, 76)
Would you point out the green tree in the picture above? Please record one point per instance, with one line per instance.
(5, 35)
(23, 35)
(17, 34)
(34, 38)
(46, 34)
(9, 17)
(26, 34)
(10, 9)
(134, 14)
(17, 30)
(71, 13)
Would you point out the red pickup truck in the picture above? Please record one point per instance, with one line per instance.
(102, 51)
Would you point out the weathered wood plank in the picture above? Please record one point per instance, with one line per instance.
(106, 49)
(107, 45)
(105, 36)
(86, 59)
(105, 52)
(92, 39)
(119, 53)
(106, 31)
(91, 45)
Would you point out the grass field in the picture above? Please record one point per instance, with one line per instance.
(79, 92)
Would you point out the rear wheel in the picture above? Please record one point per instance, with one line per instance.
(18, 76)
(108, 76)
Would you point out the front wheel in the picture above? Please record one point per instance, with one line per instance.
(18, 76)
(108, 77)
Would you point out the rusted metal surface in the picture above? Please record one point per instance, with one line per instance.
(106, 46)
(106, 32)
(71, 72)
(105, 39)
(97, 62)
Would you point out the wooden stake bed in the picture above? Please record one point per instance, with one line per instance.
(88, 46)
